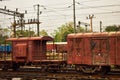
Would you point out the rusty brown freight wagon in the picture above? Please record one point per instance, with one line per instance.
(32, 51)
(28, 50)
(91, 51)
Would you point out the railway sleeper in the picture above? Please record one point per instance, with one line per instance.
(88, 69)
(5, 66)
(53, 68)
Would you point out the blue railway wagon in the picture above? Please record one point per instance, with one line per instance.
(6, 48)
(0, 48)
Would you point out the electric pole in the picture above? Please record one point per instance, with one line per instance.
(14, 27)
(91, 17)
(100, 26)
(38, 19)
(38, 10)
(14, 14)
(74, 16)
(38, 13)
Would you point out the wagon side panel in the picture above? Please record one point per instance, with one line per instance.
(70, 55)
(112, 54)
(87, 52)
(118, 51)
(19, 51)
(75, 51)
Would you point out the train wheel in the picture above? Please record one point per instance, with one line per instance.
(44, 69)
(15, 66)
(78, 69)
(5, 67)
(88, 69)
(105, 70)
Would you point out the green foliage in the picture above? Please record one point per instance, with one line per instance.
(60, 35)
(80, 29)
(3, 35)
(25, 33)
(2, 39)
(43, 33)
(112, 28)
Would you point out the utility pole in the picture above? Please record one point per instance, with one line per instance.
(74, 16)
(91, 17)
(100, 26)
(38, 19)
(22, 22)
(38, 13)
(38, 9)
(14, 27)
(14, 14)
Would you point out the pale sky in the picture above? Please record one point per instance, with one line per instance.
(58, 13)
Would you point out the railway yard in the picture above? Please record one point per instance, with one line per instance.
(76, 51)
(29, 59)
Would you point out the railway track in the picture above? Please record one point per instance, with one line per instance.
(37, 75)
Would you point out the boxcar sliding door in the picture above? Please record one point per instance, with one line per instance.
(100, 50)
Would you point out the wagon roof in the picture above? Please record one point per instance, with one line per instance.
(102, 34)
(57, 43)
(45, 38)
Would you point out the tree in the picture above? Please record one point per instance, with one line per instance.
(61, 33)
(25, 33)
(43, 33)
(112, 28)
(4, 32)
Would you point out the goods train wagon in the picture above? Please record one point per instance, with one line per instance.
(5, 48)
(58, 50)
(31, 51)
(93, 51)
(58, 47)
(28, 50)
(86, 52)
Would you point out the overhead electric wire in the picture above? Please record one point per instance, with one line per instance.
(87, 7)
(110, 12)
(89, 1)
(103, 6)
(79, 2)
(47, 5)
(66, 9)
(57, 10)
